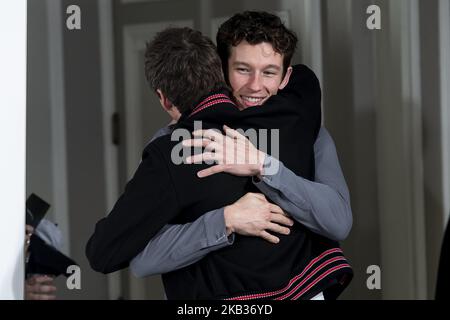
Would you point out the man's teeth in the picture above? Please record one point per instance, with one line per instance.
(252, 99)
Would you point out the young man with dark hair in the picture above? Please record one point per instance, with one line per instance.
(242, 268)
(175, 74)
(255, 28)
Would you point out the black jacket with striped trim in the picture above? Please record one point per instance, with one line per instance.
(300, 266)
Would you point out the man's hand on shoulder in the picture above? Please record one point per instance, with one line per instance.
(233, 153)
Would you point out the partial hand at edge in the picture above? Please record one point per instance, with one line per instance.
(40, 287)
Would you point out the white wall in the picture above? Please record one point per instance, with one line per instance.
(12, 143)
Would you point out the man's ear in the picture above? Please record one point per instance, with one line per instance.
(285, 81)
(166, 104)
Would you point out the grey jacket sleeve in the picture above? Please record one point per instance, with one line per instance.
(324, 205)
(177, 246)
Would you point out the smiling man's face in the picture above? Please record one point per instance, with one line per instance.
(255, 73)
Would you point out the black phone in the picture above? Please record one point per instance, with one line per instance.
(36, 208)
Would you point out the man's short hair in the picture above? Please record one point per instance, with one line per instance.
(184, 65)
(255, 27)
